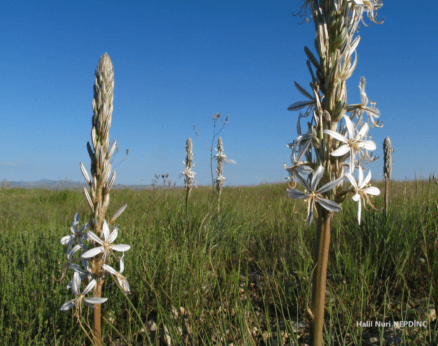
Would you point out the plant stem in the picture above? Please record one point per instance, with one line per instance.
(320, 275)
(386, 194)
(98, 315)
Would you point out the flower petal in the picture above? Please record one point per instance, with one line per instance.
(342, 150)
(121, 247)
(93, 236)
(350, 127)
(109, 269)
(330, 185)
(89, 287)
(356, 197)
(304, 169)
(369, 145)
(67, 239)
(302, 181)
(294, 193)
(352, 179)
(105, 230)
(310, 213)
(372, 191)
(363, 131)
(93, 252)
(336, 135)
(68, 305)
(95, 300)
(360, 181)
(113, 235)
(359, 210)
(328, 204)
(316, 177)
(76, 285)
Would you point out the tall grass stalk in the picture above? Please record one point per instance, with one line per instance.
(336, 22)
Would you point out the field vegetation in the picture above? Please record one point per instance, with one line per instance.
(243, 278)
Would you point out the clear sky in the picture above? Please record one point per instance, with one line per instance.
(176, 63)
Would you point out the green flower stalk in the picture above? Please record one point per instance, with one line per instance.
(188, 174)
(387, 168)
(332, 138)
(98, 200)
(221, 158)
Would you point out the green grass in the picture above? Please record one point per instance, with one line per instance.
(243, 278)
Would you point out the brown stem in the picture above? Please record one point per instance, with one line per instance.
(96, 267)
(320, 275)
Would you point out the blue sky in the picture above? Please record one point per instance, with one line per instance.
(177, 63)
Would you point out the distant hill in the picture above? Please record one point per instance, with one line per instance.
(69, 185)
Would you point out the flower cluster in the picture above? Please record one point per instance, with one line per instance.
(221, 158)
(106, 247)
(187, 173)
(336, 147)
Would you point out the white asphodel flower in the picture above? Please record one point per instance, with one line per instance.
(106, 245)
(353, 144)
(80, 297)
(361, 193)
(312, 196)
(70, 260)
(120, 278)
(69, 239)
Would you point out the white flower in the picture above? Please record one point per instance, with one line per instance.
(361, 193)
(83, 273)
(297, 165)
(80, 297)
(106, 243)
(372, 111)
(354, 144)
(220, 156)
(313, 196)
(120, 278)
(69, 239)
(70, 260)
(188, 175)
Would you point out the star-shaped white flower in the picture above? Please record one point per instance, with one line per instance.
(361, 193)
(188, 175)
(313, 196)
(69, 239)
(120, 278)
(354, 143)
(70, 260)
(80, 297)
(106, 245)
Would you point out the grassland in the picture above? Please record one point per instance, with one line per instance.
(242, 278)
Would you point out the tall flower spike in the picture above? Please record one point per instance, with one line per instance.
(221, 158)
(311, 196)
(387, 157)
(188, 174)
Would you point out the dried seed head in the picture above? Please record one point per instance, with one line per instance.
(103, 97)
(387, 158)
